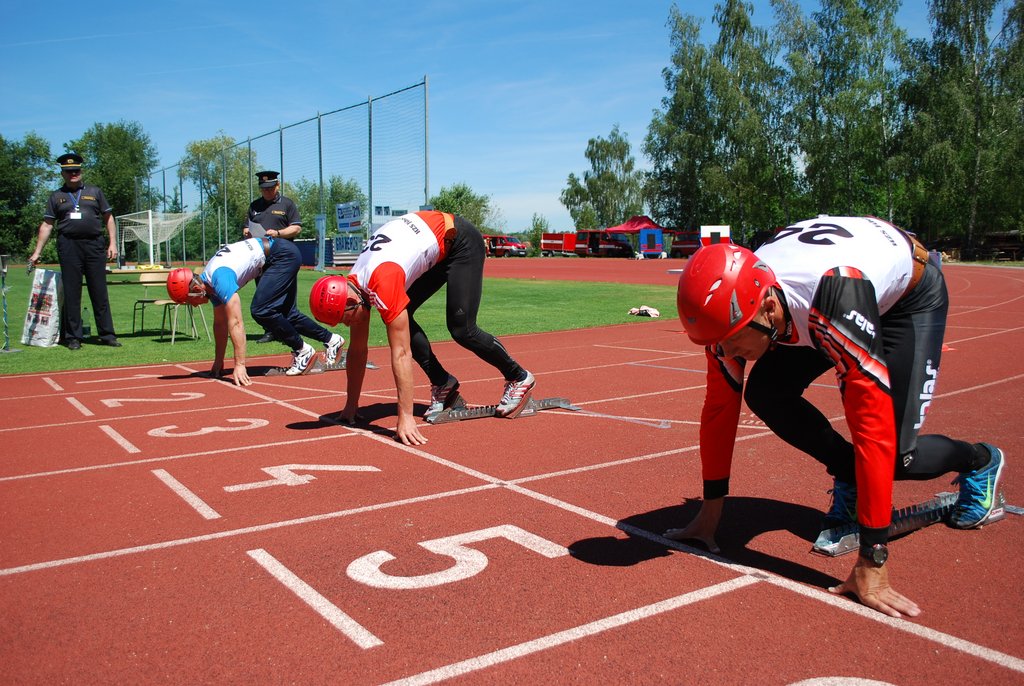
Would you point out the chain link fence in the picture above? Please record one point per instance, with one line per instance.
(374, 153)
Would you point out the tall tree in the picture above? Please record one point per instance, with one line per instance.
(460, 199)
(539, 225)
(844, 105)
(967, 117)
(220, 170)
(611, 191)
(751, 175)
(680, 137)
(306, 194)
(1007, 202)
(25, 180)
(116, 157)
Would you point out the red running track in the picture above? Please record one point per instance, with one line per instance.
(159, 527)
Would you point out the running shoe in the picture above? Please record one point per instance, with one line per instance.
(302, 360)
(844, 506)
(516, 394)
(443, 397)
(332, 348)
(979, 492)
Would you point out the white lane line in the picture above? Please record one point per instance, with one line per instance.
(952, 642)
(53, 384)
(121, 418)
(543, 643)
(321, 605)
(182, 456)
(79, 406)
(183, 492)
(678, 353)
(123, 378)
(149, 547)
(119, 439)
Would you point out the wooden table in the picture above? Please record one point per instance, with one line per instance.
(122, 277)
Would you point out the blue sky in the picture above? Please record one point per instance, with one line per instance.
(516, 89)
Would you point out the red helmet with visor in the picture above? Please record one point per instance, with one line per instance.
(720, 291)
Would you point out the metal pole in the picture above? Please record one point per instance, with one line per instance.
(426, 141)
(202, 211)
(224, 193)
(321, 219)
(369, 133)
(163, 204)
(149, 196)
(320, 158)
(248, 156)
(280, 152)
(181, 208)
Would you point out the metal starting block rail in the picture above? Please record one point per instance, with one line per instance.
(320, 366)
(460, 411)
(844, 539)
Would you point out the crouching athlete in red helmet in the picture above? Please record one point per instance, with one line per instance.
(858, 295)
(277, 262)
(404, 263)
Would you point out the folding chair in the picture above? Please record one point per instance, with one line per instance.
(171, 305)
(149, 280)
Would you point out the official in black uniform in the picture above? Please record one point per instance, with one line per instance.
(275, 213)
(80, 213)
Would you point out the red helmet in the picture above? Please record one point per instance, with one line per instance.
(178, 287)
(328, 299)
(720, 291)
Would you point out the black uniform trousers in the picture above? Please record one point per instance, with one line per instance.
(462, 271)
(84, 257)
(274, 304)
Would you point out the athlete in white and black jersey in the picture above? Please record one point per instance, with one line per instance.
(859, 295)
(404, 263)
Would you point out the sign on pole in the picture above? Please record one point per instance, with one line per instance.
(350, 227)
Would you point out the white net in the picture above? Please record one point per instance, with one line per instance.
(152, 228)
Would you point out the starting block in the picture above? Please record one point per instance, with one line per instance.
(460, 410)
(320, 365)
(844, 539)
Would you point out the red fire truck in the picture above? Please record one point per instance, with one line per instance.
(557, 244)
(587, 243)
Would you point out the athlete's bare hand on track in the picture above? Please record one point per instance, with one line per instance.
(871, 586)
(703, 526)
(240, 376)
(408, 433)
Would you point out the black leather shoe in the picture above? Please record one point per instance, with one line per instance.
(112, 342)
(266, 338)
(74, 344)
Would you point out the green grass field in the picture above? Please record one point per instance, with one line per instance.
(509, 306)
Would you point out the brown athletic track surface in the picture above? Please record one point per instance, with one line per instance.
(142, 542)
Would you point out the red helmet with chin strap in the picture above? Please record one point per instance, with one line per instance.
(179, 286)
(328, 299)
(720, 291)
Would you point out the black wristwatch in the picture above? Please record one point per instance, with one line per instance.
(876, 554)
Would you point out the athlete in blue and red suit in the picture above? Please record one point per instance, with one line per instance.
(854, 294)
